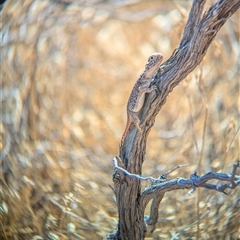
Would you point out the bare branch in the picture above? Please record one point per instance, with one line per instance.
(153, 217)
(116, 159)
(194, 43)
(194, 181)
(160, 185)
(172, 170)
(197, 37)
(193, 19)
(198, 34)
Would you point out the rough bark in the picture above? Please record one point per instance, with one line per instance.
(198, 34)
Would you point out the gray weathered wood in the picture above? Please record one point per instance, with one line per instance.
(198, 34)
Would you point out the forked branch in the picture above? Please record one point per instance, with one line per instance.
(159, 186)
(198, 34)
(194, 182)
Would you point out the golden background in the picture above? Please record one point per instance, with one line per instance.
(67, 71)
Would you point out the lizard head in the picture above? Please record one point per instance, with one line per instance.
(153, 63)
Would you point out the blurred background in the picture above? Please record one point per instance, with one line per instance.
(67, 69)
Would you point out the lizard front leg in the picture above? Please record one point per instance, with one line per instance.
(139, 104)
(135, 120)
(147, 89)
(142, 90)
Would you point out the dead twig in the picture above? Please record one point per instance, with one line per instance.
(194, 182)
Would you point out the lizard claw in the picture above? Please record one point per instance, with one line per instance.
(138, 127)
(157, 90)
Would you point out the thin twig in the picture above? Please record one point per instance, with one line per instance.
(176, 236)
(175, 168)
(131, 175)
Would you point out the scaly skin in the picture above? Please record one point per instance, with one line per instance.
(141, 87)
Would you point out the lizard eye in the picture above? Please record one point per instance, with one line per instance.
(150, 58)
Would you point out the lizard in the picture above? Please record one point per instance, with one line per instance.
(141, 87)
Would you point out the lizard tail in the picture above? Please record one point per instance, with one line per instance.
(129, 121)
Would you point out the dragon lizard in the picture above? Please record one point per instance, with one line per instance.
(141, 87)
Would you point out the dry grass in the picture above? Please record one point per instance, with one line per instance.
(67, 72)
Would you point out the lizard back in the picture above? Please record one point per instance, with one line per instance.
(144, 79)
(141, 87)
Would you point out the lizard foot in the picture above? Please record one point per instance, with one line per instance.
(138, 127)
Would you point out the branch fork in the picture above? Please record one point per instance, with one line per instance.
(198, 34)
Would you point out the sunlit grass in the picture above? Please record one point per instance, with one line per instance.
(67, 73)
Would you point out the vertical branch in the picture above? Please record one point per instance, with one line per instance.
(197, 37)
(193, 20)
(153, 218)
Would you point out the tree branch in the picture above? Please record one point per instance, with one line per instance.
(116, 159)
(198, 34)
(153, 217)
(197, 37)
(193, 46)
(193, 20)
(192, 183)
